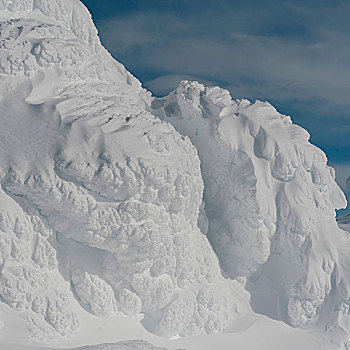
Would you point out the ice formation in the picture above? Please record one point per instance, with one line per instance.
(102, 211)
(270, 200)
(115, 190)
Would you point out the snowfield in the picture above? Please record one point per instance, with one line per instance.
(193, 221)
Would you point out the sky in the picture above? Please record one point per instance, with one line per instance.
(294, 54)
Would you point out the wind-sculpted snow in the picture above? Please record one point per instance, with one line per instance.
(102, 212)
(116, 191)
(270, 198)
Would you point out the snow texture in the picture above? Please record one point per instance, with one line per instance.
(127, 345)
(269, 199)
(112, 202)
(115, 190)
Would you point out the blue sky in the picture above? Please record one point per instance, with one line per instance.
(294, 54)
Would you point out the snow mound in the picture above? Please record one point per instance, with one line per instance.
(270, 201)
(116, 191)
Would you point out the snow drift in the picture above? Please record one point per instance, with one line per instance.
(102, 209)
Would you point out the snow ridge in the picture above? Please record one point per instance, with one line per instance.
(117, 190)
(270, 200)
(109, 197)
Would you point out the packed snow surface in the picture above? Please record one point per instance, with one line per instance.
(125, 217)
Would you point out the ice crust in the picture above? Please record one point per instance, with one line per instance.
(101, 196)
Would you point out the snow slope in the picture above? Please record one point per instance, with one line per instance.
(103, 222)
(270, 200)
(100, 198)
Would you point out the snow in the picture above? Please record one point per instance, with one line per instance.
(270, 200)
(126, 217)
(344, 222)
(110, 182)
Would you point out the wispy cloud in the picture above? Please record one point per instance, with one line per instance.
(295, 54)
(277, 61)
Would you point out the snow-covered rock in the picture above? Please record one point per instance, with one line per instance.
(102, 212)
(270, 200)
(115, 191)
